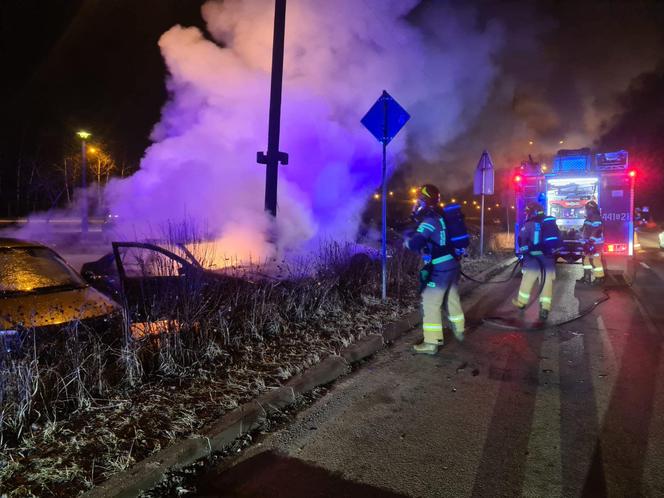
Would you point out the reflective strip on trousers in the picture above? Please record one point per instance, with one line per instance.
(435, 327)
(587, 267)
(545, 299)
(524, 295)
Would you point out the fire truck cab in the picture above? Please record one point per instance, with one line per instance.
(576, 177)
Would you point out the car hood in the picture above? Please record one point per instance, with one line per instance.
(56, 308)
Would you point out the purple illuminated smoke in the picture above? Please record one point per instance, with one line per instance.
(339, 57)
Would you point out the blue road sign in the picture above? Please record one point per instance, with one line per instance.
(385, 118)
(483, 184)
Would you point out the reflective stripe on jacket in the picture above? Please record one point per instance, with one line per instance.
(431, 235)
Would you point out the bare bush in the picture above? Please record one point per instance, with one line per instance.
(232, 338)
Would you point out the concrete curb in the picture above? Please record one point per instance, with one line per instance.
(363, 348)
(325, 372)
(220, 434)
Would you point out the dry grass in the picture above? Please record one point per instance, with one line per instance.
(86, 403)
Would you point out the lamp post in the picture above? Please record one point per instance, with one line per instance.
(84, 135)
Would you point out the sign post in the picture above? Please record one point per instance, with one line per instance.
(384, 120)
(483, 185)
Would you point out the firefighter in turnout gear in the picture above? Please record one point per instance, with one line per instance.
(539, 239)
(592, 250)
(440, 275)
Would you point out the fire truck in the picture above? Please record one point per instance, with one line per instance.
(576, 177)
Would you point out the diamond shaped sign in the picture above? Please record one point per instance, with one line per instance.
(385, 118)
(483, 184)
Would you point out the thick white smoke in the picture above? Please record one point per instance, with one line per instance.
(339, 57)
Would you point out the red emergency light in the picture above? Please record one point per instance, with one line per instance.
(616, 248)
(517, 179)
(632, 173)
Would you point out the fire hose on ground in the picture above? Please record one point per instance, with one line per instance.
(495, 321)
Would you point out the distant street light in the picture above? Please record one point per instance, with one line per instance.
(84, 135)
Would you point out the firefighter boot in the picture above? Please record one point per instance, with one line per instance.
(586, 277)
(426, 347)
(543, 314)
(520, 306)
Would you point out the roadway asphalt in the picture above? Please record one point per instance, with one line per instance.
(573, 410)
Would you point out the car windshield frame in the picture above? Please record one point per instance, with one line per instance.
(62, 276)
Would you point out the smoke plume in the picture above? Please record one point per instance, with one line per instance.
(339, 56)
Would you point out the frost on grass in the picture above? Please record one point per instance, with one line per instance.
(87, 405)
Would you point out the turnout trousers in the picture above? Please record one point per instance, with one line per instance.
(531, 275)
(442, 292)
(593, 262)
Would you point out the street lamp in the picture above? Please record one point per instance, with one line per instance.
(84, 135)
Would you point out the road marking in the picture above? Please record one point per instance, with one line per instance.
(544, 454)
(544, 443)
(645, 265)
(604, 367)
(655, 449)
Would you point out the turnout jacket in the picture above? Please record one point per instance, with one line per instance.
(533, 241)
(593, 229)
(430, 238)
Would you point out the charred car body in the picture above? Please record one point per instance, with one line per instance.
(39, 291)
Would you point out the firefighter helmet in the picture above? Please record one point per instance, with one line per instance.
(429, 194)
(591, 206)
(533, 209)
(428, 198)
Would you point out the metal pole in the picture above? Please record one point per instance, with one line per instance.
(273, 156)
(84, 185)
(482, 218)
(383, 248)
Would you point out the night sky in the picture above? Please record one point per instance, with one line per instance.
(70, 64)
